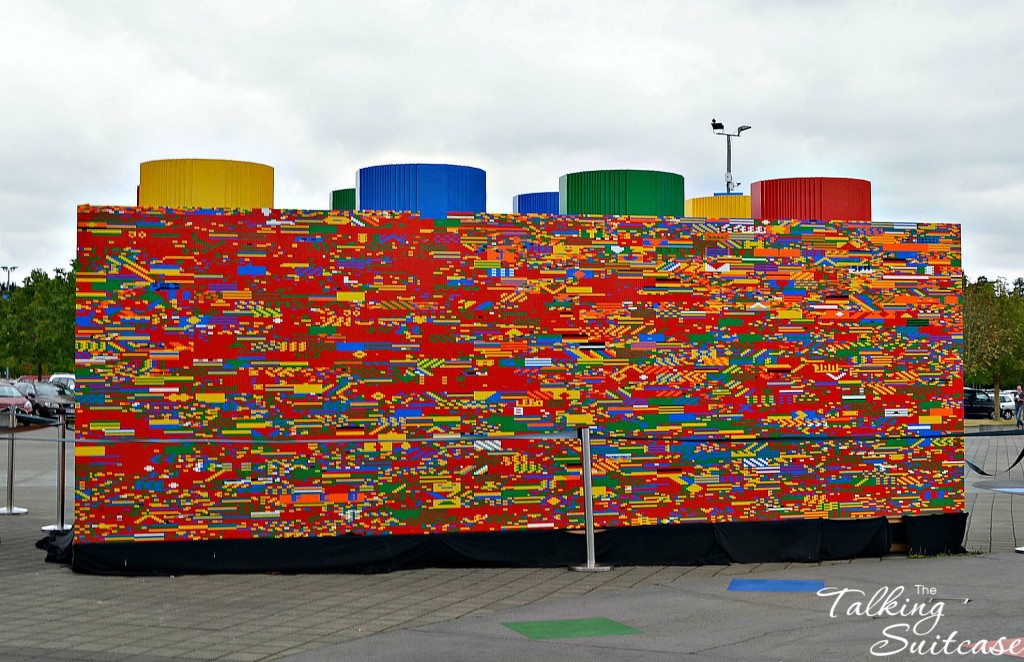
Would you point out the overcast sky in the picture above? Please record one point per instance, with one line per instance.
(924, 99)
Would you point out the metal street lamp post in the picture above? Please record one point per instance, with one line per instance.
(7, 373)
(719, 128)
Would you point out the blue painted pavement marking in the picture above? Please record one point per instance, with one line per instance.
(777, 585)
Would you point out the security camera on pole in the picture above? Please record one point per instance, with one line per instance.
(719, 128)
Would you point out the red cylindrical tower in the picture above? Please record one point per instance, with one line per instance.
(820, 198)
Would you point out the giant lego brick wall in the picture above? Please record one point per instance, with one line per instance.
(268, 373)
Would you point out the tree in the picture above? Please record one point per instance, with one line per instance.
(993, 349)
(981, 323)
(1018, 287)
(37, 323)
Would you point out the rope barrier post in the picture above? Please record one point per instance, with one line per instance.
(583, 434)
(62, 454)
(11, 509)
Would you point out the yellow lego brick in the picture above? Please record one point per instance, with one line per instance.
(580, 419)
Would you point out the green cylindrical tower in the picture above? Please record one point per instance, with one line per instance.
(344, 199)
(621, 192)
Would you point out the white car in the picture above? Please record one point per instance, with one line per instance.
(1006, 406)
(65, 379)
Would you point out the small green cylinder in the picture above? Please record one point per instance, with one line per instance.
(343, 199)
(622, 192)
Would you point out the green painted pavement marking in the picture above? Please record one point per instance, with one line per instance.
(571, 628)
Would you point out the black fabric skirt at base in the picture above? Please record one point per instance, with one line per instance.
(696, 543)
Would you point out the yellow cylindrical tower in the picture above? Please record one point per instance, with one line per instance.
(205, 183)
(719, 206)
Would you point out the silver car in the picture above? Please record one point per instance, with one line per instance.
(1006, 406)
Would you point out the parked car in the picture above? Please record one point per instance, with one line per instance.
(1006, 406)
(65, 379)
(48, 400)
(978, 404)
(10, 396)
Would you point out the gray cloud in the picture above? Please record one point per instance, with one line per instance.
(922, 98)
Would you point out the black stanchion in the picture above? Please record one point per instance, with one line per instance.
(62, 456)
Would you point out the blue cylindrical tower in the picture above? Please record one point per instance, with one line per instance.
(431, 189)
(535, 203)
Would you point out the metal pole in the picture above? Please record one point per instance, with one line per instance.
(588, 506)
(62, 454)
(11, 509)
(728, 164)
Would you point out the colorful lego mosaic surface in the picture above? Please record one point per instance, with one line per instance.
(291, 370)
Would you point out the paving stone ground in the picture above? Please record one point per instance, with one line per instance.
(48, 612)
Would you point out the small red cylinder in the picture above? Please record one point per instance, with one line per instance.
(818, 198)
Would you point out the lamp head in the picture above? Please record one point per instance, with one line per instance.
(716, 125)
(742, 129)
